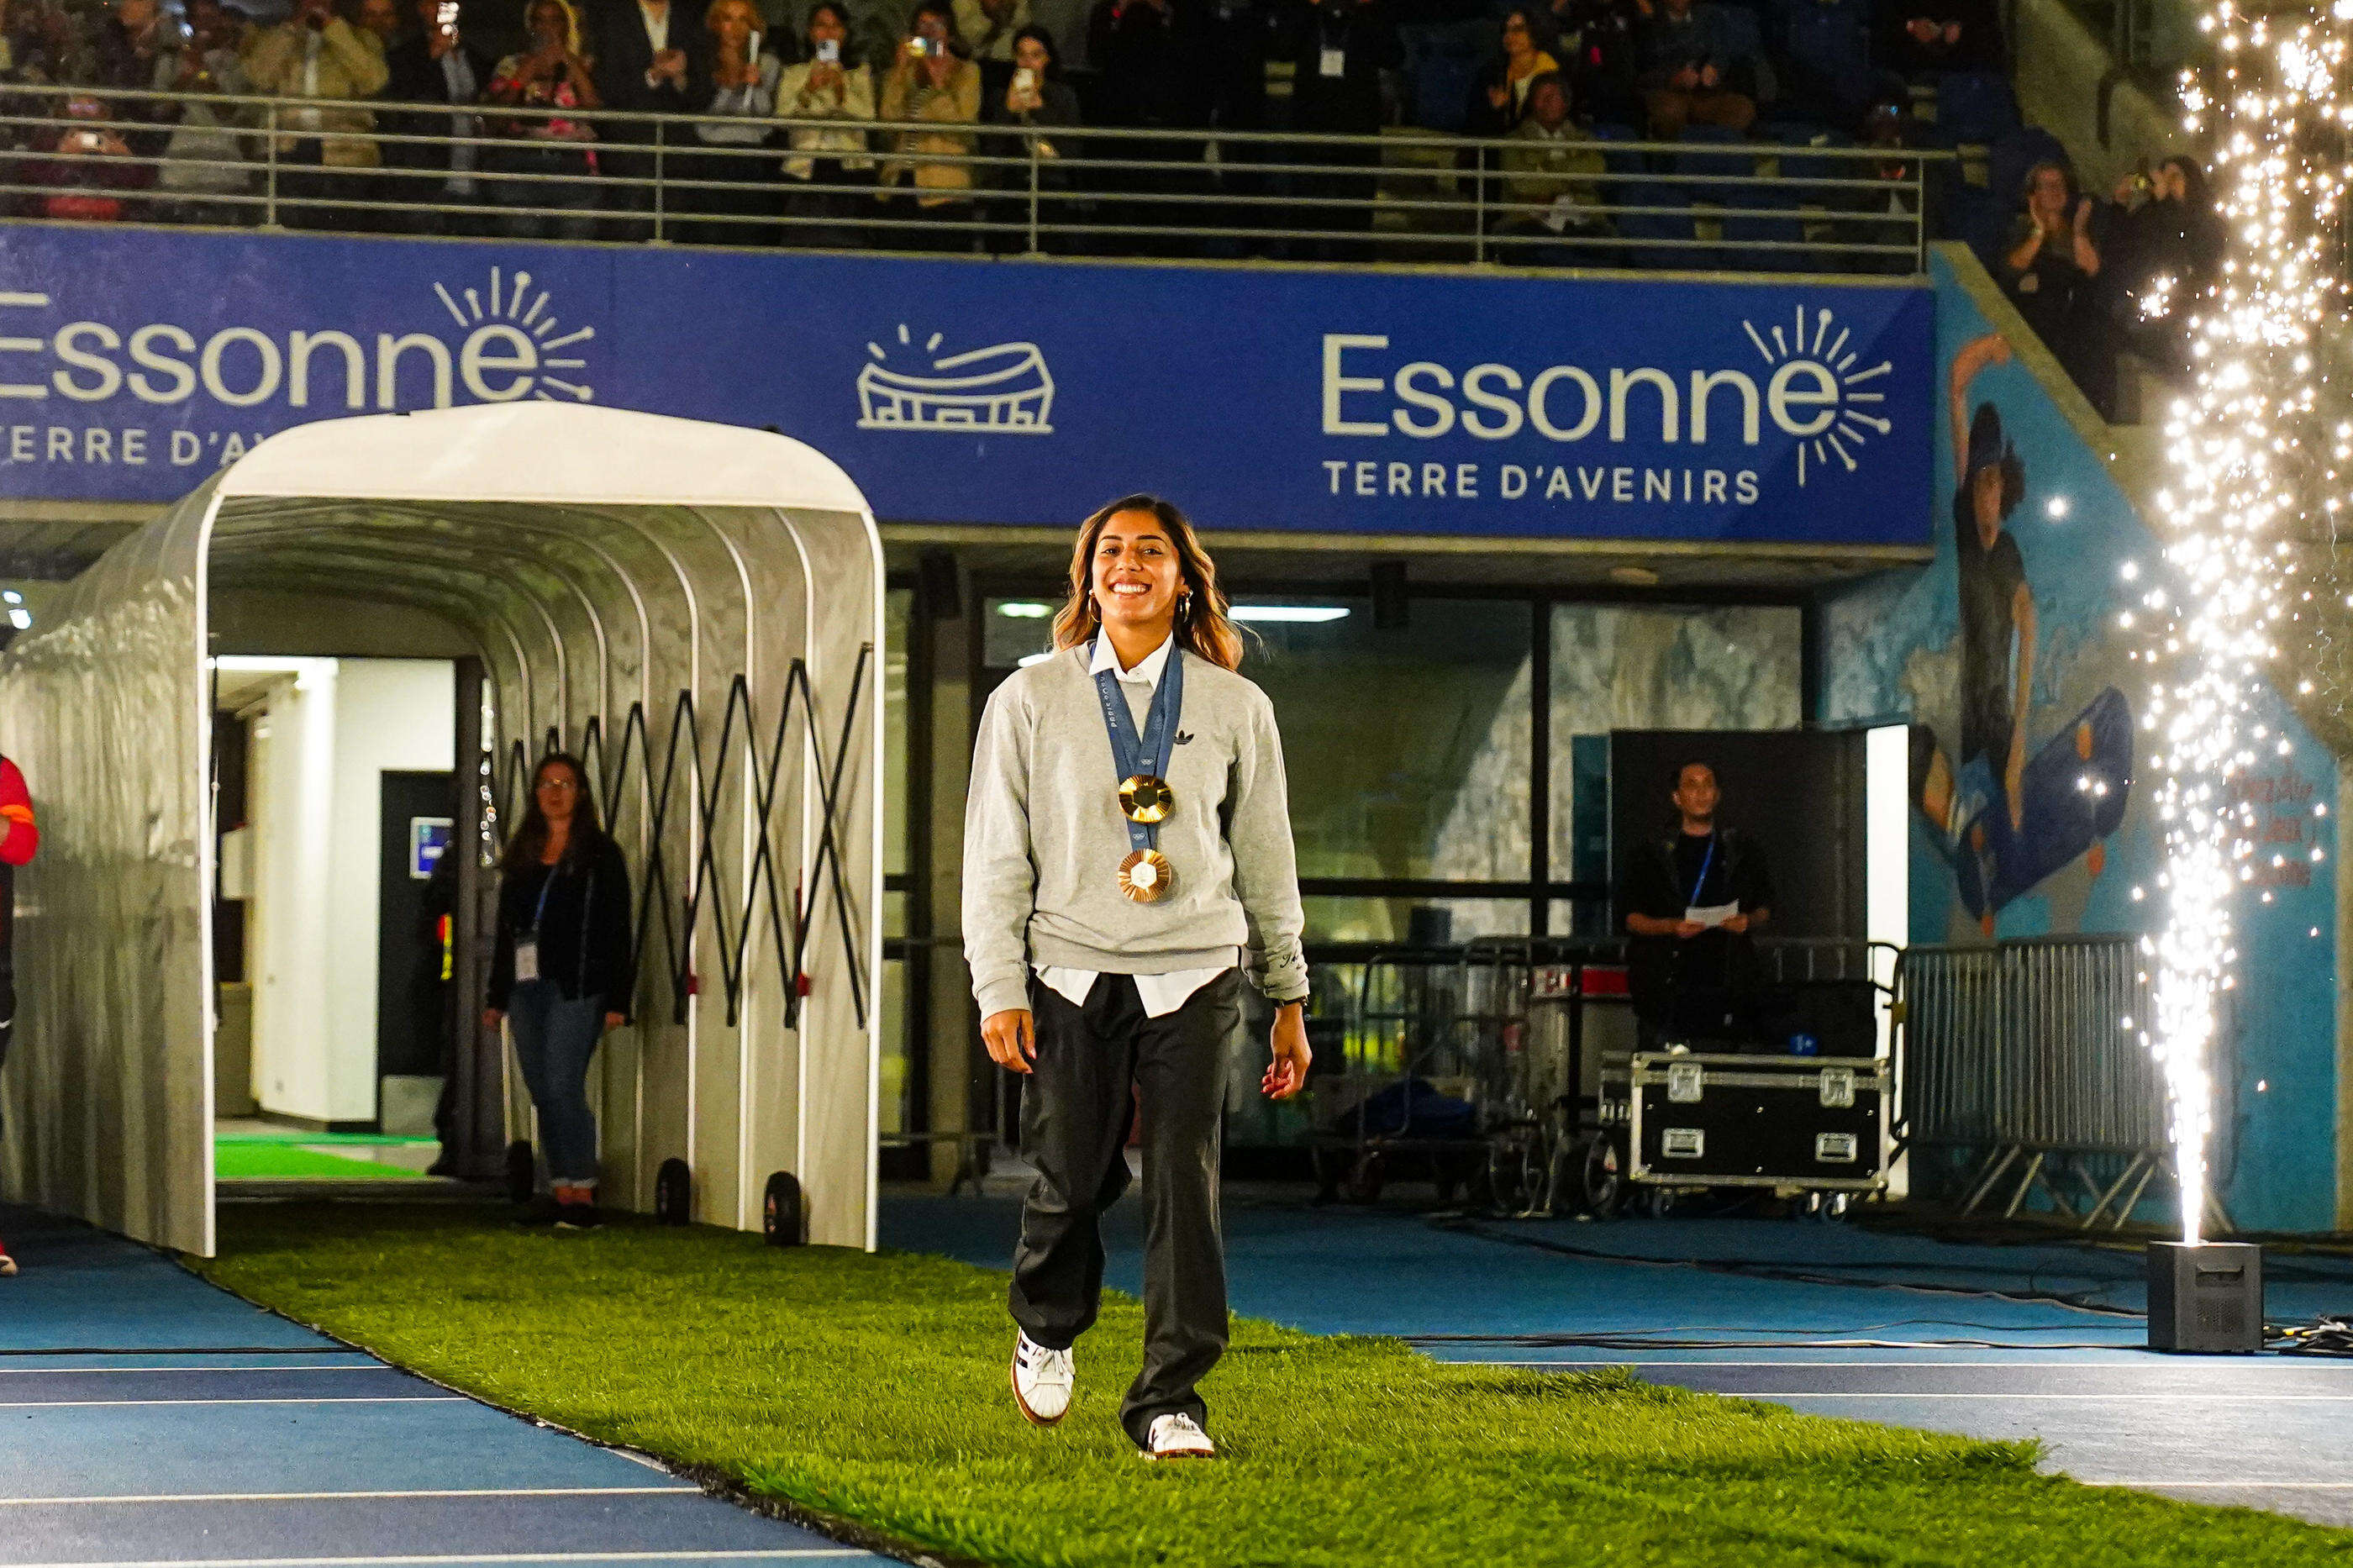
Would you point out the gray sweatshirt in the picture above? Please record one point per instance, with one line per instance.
(1043, 838)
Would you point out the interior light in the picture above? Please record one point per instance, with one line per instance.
(11, 596)
(1024, 610)
(1302, 614)
(1033, 658)
(20, 617)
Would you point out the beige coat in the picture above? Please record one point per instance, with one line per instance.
(973, 26)
(850, 98)
(958, 103)
(1540, 170)
(351, 65)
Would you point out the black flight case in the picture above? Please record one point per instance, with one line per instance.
(1816, 1124)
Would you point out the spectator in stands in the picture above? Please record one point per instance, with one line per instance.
(315, 54)
(1920, 40)
(1234, 37)
(1598, 45)
(2047, 269)
(80, 188)
(21, 841)
(651, 56)
(130, 42)
(934, 88)
(1148, 77)
(1501, 100)
(2162, 248)
(1548, 180)
(1884, 216)
(827, 83)
(1342, 48)
(987, 29)
(1695, 70)
(744, 78)
(439, 65)
(1037, 99)
(381, 17)
(555, 154)
(206, 157)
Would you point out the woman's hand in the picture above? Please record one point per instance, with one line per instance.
(1286, 1075)
(1499, 95)
(824, 77)
(1011, 1037)
(615, 1020)
(936, 67)
(492, 1017)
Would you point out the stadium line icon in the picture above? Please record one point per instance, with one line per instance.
(1003, 389)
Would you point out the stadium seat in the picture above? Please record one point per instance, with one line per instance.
(1975, 106)
(1442, 69)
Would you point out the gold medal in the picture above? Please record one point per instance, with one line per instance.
(1147, 799)
(1146, 877)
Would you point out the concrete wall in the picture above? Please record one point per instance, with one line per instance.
(326, 736)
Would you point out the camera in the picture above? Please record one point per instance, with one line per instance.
(829, 51)
(919, 47)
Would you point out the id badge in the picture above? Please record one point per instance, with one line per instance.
(1334, 63)
(527, 959)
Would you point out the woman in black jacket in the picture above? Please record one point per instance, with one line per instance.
(561, 974)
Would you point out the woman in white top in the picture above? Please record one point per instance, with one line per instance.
(827, 174)
(734, 182)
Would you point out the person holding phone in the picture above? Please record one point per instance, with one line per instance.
(438, 65)
(933, 87)
(557, 153)
(735, 185)
(1128, 868)
(562, 971)
(316, 55)
(1035, 98)
(827, 165)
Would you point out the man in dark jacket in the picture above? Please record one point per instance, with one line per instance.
(436, 65)
(1690, 902)
(1696, 71)
(652, 57)
(1339, 49)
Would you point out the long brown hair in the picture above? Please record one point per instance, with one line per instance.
(1203, 629)
(529, 842)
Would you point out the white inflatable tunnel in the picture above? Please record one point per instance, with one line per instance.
(724, 585)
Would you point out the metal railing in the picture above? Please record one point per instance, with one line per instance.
(1009, 189)
(2028, 1054)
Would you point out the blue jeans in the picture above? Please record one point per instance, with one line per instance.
(553, 1039)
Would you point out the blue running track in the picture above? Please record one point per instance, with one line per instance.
(148, 1418)
(1877, 1332)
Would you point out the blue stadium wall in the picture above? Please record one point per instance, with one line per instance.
(1893, 650)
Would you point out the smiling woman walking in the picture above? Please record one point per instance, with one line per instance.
(1127, 856)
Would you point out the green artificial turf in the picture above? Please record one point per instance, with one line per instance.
(873, 1389)
(269, 1159)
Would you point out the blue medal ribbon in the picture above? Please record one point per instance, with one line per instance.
(1147, 754)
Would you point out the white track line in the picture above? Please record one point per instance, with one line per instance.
(2240, 1486)
(152, 1371)
(322, 1399)
(488, 1557)
(332, 1497)
(1905, 1393)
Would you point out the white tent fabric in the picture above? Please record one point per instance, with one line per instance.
(602, 560)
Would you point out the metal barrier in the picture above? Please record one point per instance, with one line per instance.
(1403, 196)
(706, 784)
(2029, 1053)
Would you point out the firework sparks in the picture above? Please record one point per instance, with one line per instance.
(2251, 454)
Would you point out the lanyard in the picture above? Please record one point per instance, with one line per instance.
(546, 888)
(1146, 756)
(1705, 861)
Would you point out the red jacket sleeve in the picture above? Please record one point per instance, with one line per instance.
(23, 836)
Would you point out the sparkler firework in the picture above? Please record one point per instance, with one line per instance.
(2256, 468)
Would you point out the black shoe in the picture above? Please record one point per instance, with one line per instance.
(577, 1216)
(540, 1210)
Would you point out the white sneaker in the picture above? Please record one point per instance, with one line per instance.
(1041, 1381)
(1177, 1438)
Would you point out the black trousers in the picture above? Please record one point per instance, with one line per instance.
(1099, 1065)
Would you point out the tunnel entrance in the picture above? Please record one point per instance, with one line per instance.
(694, 610)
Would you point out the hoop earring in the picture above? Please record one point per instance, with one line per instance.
(1185, 606)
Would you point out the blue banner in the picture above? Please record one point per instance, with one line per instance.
(133, 363)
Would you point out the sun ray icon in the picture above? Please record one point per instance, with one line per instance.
(1855, 419)
(513, 302)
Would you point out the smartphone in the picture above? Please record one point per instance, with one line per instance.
(919, 47)
(1024, 80)
(829, 51)
(445, 17)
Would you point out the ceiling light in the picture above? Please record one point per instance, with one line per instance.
(1301, 614)
(1634, 577)
(1024, 610)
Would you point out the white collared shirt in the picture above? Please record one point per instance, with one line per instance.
(1161, 993)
